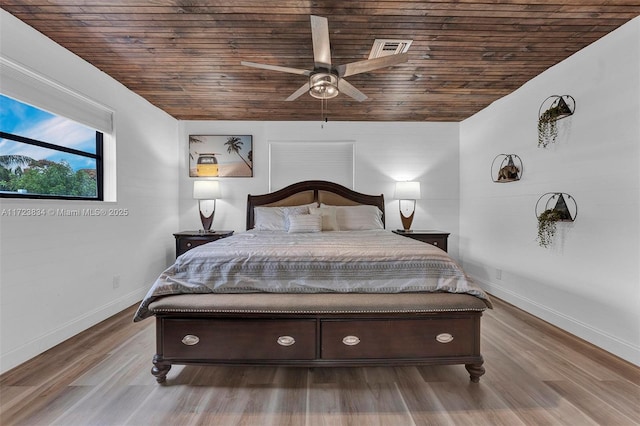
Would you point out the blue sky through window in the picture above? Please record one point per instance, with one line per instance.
(25, 120)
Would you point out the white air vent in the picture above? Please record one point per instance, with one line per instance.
(386, 47)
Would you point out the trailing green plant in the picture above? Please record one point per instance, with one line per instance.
(548, 122)
(547, 225)
(548, 126)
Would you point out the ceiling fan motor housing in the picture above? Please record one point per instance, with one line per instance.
(323, 85)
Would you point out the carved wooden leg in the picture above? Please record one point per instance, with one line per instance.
(160, 369)
(475, 370)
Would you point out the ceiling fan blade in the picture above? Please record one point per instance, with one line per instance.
(276, 68)
(348, 89)
(371, 64)
(301, 91)
(321, 44)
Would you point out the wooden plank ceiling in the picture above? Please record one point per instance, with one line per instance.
(184, 55)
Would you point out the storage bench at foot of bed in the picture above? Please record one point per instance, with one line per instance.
(318, 331)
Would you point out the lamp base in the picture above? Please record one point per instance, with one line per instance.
(207, 210)
(407, 220)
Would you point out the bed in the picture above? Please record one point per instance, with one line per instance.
(315, 281)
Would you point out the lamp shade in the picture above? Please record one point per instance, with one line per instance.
(407, 191)
(206, 189)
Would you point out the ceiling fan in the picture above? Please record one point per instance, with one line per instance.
(325, 80)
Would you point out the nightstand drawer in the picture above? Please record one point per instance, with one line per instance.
(187, 240)
(349, 339)
(222, 339)
(435, 238)
(184, 244)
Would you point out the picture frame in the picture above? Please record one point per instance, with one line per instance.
(220, 156)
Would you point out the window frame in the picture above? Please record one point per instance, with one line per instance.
(98, 157)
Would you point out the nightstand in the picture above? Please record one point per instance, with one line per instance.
(436, 238)
(187, 240)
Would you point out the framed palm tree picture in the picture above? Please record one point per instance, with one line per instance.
(220, 156)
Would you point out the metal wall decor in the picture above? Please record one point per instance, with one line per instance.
(551, 208)
(506, 168)
(552, 109)
(561, 202)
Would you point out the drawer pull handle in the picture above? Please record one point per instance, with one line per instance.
(351, 340)
(286, 340)
(444, 338)
(190, 340)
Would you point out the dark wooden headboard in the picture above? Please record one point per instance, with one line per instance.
(310, 191)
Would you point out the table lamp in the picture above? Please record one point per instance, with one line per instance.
(407, 193)
(206, 192)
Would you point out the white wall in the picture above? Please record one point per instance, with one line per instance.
(57, 272)
(589, 282)
(384, 153)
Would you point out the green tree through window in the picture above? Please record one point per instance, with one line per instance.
(43, 155)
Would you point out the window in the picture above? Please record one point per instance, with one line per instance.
(43, 155)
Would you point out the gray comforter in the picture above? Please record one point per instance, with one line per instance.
(278, 262)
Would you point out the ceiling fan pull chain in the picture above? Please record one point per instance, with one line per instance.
(326, 110)
(323, 116)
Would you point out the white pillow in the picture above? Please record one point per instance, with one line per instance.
(328, 214)
(268, 218)
(358, 218)
(272, 218)
(305, 223)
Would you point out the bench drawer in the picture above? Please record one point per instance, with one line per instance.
(347, 339)
(221, 339)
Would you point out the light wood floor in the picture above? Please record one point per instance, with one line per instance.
(536, 375)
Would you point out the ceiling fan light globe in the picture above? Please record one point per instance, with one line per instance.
(323, 86)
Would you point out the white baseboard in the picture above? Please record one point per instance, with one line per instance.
(617, 347)
(46, 341)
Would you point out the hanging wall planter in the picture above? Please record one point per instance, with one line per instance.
(551, 208)
(554, 108)
(506, 168)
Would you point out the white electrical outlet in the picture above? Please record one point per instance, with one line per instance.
(116, 281)
(498, 274)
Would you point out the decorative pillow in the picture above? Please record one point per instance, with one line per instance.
(358, 218)
(305, 223)
(293, 211)
(328, 214)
